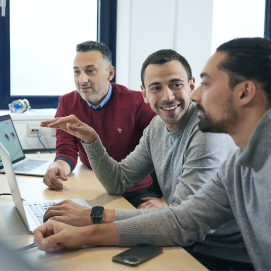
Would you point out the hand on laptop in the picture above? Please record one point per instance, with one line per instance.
(74, 214)
(73, 126)
(57, 169)
(70, 213)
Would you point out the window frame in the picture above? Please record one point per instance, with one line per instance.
(106, 32)
(267, 24)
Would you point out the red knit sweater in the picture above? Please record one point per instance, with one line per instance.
(119, 124)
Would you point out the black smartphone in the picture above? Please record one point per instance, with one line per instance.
(137, 255)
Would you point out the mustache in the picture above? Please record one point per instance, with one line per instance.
(200, 107)
(164, 103)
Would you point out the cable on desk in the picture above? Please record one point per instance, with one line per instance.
(37, 130)
(5, 194)
(25, 248)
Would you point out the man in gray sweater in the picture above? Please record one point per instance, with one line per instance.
(234, 97)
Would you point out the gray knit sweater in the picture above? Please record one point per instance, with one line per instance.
(240, 191)
(184, 160)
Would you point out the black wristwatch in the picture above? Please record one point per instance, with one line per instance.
(97, 213)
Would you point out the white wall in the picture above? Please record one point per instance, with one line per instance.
(248, 23)
(145, 26)
(194, 28)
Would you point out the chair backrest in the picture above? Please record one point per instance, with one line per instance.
(220, 258)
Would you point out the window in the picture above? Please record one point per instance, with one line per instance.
(37, 46)
(239, 23)
(42, 44)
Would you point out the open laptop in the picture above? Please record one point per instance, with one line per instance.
(21, 165)
(32, 212)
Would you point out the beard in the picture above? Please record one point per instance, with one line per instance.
(208, 124)
(89, 96)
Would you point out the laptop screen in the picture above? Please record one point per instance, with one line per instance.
(10, 140)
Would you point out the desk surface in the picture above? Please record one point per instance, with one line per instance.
(82, 183)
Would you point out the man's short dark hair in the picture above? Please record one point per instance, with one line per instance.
(95, 46)
(248, 59)
(163, 56)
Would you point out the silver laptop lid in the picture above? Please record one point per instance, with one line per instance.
(14, 189)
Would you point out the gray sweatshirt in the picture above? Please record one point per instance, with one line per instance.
(241, 190)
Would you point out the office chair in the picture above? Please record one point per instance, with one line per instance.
(222, 258)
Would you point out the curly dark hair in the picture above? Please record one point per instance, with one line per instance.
(248, 59)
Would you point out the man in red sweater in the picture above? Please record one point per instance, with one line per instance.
(118, 114)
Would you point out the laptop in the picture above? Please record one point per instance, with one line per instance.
(31, 212)
(21, 165)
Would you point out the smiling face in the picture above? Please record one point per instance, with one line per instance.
(92, 74)
(168, 91)
(215, 99)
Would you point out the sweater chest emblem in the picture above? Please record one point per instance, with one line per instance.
(120, 130)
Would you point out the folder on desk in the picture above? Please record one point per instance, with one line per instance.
(31, 211)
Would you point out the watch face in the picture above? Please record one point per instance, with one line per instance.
(97, 212)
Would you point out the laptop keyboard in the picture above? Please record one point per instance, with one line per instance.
(39, 209)
(28, 165)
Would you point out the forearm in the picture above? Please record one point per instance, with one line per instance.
(100, 235)
(203, 213)
(105, 168)
(64, 165)
(109, 216)
(121, 214)
(115, 177)
(66, 146)
(53, 236)
(67, 160)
